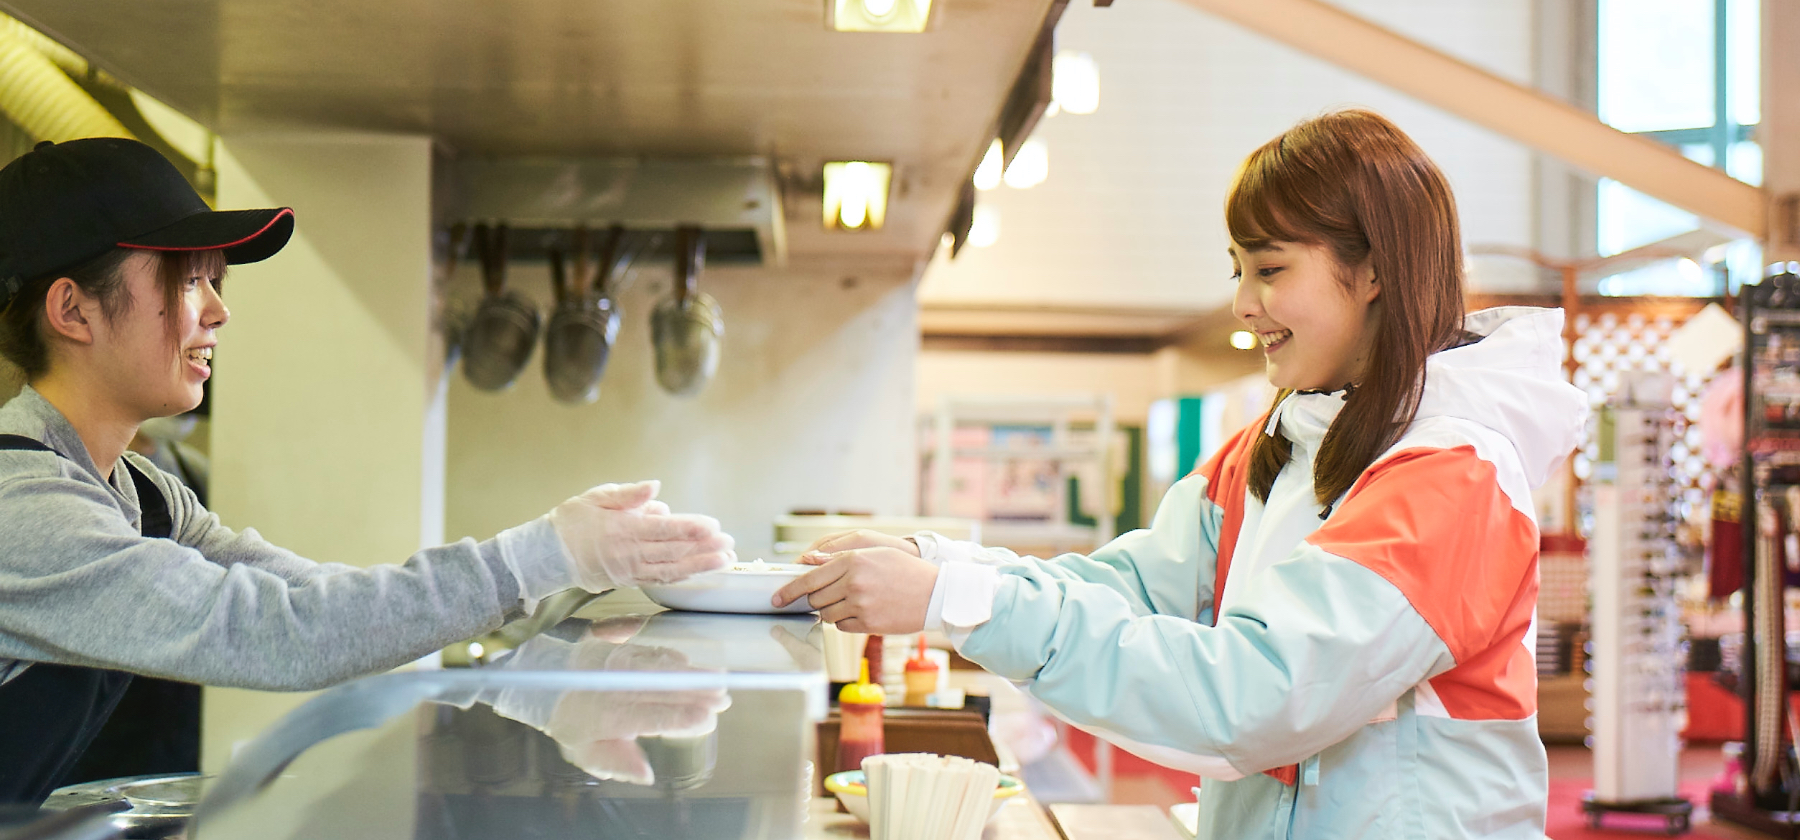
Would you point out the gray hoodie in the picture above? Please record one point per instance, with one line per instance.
(80, 586)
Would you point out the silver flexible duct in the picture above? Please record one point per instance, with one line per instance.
(37, 95)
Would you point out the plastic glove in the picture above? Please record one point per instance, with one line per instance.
(598, 731)
(618, 535)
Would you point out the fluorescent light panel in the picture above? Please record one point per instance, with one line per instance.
(878, 15)
(1075, 82)
(856, 193)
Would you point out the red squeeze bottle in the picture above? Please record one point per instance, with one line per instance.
(859, 730)
(921, 676)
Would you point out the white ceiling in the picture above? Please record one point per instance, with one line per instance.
(1131, 216)
(668, 78)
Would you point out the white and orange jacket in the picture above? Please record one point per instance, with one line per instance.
(1358, 670)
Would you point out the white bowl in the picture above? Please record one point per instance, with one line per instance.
(739, 588)
(765, 643)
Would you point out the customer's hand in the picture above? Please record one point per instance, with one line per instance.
(861, 538)
(619, 535)
(866, 590)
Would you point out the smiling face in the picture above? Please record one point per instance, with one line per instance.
(156, 362)
(1315, 330)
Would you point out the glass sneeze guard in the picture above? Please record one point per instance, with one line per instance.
(621, 722)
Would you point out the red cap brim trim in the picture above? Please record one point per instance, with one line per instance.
(259, 232)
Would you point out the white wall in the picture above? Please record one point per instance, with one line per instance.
(812, 407)
(1135, 380)
(323, 402)
(1132, 213)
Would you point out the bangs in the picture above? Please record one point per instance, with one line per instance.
(1260, 209)
(185, 264)
(173, 268)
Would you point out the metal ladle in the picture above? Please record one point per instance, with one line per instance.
(504, 329)
(686, 327)
(586, 321)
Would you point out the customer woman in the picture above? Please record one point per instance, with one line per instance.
(110, 270)
(1330, 621)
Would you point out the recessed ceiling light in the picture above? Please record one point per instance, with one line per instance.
(1030, 166)
(877, 15)
(856, 194)
(986, 229)
(1243, 339)
(1075, 82)
(987, 175)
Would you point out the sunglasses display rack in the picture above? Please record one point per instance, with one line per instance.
(1768, 799)
(1639, 701)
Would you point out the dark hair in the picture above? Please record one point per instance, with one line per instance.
(1354, 183)
(103, 277)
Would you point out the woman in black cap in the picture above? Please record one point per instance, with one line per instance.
(110, 270)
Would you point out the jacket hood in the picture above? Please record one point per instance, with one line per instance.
(1511, 382)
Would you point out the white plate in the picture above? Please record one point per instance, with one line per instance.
(742, 588)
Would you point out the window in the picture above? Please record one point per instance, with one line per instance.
(1686, 73)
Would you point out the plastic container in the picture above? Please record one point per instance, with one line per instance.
(921, 677)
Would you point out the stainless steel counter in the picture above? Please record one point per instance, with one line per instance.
(622, 720)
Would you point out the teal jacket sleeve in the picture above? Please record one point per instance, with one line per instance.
(1317, 647)
(1165, 569)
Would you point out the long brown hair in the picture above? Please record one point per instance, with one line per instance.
(1354, 183)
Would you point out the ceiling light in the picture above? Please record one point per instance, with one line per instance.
(1243, 339)
(986, 229)
(1690, 271)
(1075, 82)
(1030, 166)
(856, 194)
(877, 15)
(987, 175)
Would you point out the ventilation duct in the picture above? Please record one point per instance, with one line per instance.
(734, 201)
(39, 97)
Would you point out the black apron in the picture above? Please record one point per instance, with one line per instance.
(51, 713)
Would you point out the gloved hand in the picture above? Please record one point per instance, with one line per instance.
(597, 731)
(619, 535)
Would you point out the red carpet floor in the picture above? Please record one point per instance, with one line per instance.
(1566, 820)
(1571, 768)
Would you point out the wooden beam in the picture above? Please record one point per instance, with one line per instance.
(1110, 344)
(1503, 106)
(1679, 308)
(1779, 133)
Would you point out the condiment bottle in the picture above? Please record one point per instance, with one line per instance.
(859, 712)
(874, 649)
(921, 677)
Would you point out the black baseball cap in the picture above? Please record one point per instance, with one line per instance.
(62, 204)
